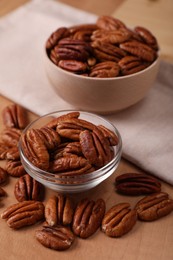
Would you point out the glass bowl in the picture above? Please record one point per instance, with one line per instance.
(72, 184)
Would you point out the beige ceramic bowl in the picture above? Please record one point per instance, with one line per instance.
(101, 95)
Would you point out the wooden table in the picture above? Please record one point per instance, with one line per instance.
(149, 241)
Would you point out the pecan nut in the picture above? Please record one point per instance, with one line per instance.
(58, 238)
(27, 188)
(154, 206)
(14, 116)
(3, 175)
(69, 49)
(58, 210)
(105, 69)
(111, 36)
(56, 37)
(73, 65)
(70, 166)
(35, 149)
(109, 23)
(137, 184)
(147, 36)
(95, 147)
(107, 52)
(23, 214)
(15, 168)
(119, 220)
(2, 192)
(88, 217)
(11, 136)
(50, 137)
(132, 64)
(53, 123)
(139, 49)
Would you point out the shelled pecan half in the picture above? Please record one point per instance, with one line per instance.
(59, 210)
(154, 206)
(137, 184)
(132, 64)
(88, 217)
(15, 168)
(27, 188)
(15, 116)
(23, 214)
(3, 175)
(35, 149)
(139, 49)
(58, 238)
(105, 69)
(119, 220)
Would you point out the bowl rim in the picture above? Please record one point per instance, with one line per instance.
(101, 79)
(52, 176)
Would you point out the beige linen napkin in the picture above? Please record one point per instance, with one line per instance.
(146, 128)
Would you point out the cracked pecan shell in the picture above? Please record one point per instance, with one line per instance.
(119, 220)
(23, 214)
(58, 238)
(26, 188)
(58, 210)
(88, 217)
(154, 206)
(137, 184)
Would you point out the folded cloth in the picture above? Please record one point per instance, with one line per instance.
(146, 128)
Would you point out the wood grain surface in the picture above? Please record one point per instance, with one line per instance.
(147, 241)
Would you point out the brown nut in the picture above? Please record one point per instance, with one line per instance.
(3, 175)
(11, 136)
(49, 136)
(147, 36)
(58, 238)
(109, 23)
(137, 184)
(26, 188)
(58, 210)
(132, 64)
(111, 36)
(70, 165)
(119, 220)
(15, 168)
(107, 52)
(35, 149)
(2, 192)
(14, 116)
(154, 206)
(88, 217)
(73, 66)
(56, 37)
(105, 69)
(53, 123)
(23, 214)
(141, 50)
